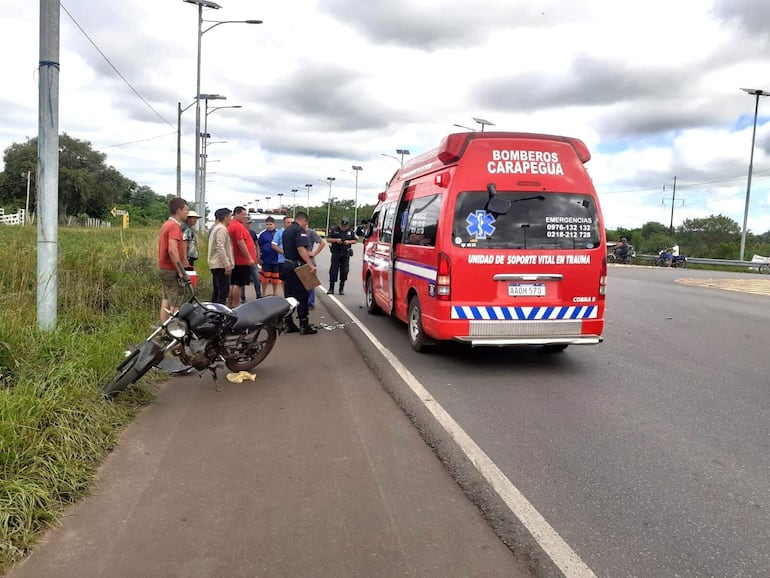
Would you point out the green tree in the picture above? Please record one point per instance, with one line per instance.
(714, 237)
(87, 185)
(18, 159)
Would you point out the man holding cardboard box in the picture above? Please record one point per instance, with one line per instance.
(296, 245)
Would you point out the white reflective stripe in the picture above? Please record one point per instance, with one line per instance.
(498, 312)
(525, 312)
(484, 312)
(419, 270)
(570, 311)
(555, 313)
(541, 312)
(468, 312)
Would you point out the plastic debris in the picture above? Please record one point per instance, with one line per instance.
(241, 376)
(328, 327)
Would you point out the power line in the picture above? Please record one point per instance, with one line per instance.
(136, 141)
(688, 186)
(136, 92)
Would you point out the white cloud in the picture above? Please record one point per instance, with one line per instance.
(652, 88)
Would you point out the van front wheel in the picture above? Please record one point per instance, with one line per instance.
(417, 338)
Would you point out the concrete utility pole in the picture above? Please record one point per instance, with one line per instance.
(48, 166)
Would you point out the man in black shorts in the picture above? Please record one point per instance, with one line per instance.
(295, 249)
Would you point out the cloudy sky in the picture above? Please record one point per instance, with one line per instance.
(652, 87)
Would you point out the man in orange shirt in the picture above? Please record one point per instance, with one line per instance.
(244, 253)
(170, 259)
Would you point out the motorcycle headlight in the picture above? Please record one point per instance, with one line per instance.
(177, 328)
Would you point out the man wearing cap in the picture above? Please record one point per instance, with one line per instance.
(341, 240)
(189, 251)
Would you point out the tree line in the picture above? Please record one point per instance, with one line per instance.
(712, 237)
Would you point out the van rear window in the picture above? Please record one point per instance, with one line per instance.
(533, 220)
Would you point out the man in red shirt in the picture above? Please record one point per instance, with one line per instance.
(170, 259)
(244, 253)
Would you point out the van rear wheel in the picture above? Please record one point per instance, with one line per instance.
(417, 338)
(371, 305)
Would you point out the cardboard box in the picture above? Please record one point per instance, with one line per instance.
(307, 276)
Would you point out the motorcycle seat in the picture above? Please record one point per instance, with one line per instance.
(260, 311)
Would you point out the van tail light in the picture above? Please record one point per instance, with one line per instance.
(603, 278)
(443, 279)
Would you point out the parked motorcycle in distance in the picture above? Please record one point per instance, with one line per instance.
(202, 335)
(679, 261)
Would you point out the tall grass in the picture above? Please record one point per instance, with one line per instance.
(55, 427)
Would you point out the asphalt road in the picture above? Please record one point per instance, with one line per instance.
(648, 454)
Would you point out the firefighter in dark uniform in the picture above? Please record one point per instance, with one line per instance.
(341, 240)
(295, 249)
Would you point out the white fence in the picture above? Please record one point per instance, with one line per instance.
(16, 219)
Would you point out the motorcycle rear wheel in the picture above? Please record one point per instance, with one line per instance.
(128, 372)
(262, 344)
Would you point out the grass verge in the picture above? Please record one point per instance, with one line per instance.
(55, 428)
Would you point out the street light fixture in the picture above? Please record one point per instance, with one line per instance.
(757, 93)
(267, 203)
(329, 204)
(294, 203)
(483, 123)
(280, 202)
(201, 31)
(401, 152)
(355, 206)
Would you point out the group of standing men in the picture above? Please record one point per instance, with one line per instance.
(235, 254)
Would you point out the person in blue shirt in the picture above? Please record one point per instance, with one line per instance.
(271, 268)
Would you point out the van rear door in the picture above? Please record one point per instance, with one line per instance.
(542, 252)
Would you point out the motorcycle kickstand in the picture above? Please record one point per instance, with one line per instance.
(213, 370)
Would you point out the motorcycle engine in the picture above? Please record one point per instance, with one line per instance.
(200, 354)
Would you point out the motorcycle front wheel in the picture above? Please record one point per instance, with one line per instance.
(128, 372)
(252, 350)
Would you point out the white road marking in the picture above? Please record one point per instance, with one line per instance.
(564, 557)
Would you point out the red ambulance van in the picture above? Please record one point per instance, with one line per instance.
(493, 238)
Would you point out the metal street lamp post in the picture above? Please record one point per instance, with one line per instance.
(280, 201)
(757, 93)
(206, 144)
(204, 136)
(267, 203)
(179, 111)
(201, 31)
(355, 205)
(294, 203)
(329, 204)
(307, 186)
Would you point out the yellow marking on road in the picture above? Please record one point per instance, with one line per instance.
(754, 286)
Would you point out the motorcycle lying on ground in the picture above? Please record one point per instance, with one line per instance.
(204, 335)
(661, 260)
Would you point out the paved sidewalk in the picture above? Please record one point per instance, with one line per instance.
(311, 470)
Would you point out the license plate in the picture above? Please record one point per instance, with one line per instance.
(526, 290)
